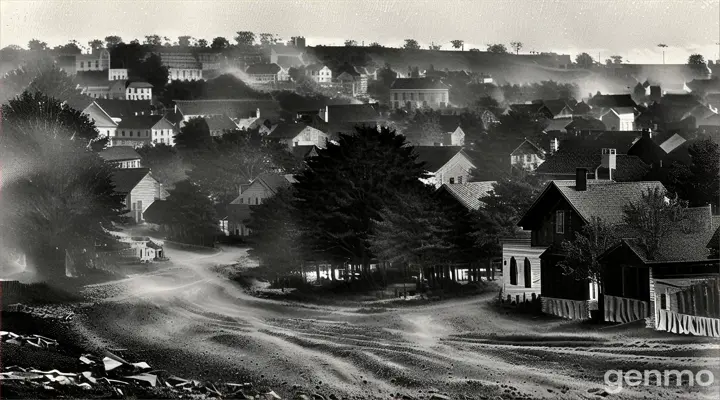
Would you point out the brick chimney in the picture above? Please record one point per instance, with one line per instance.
(581, 179)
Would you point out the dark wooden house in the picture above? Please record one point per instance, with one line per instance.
(675, 287)
(561, 210)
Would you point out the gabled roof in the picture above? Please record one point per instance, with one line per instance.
(286, 131)
(124, 108)
(612, 100)
(523, 108)
(556, 106)
(220, 123)
(417, 83)
(647, 150)
(126, 179)
(621, 110)
(92, 78)
(688, 241)
(304, 151)
(274, 182)
(140, 85)
(557, 124)
(316, 67)
(158, 211)
(352, 113)
(704, 85)
(528, 146)
(236, 108)
(603, 199)
(263, 69)
(119, 153)
(435, 157)
(714, 242)
(713, 120)
(140, 122)
(469, 194)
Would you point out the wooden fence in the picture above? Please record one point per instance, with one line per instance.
(570, 309)
(670, 321)
(623, 309)
(701, 299)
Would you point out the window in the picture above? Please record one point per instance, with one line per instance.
(452, 180)
(396, 96)
(513, 271)
(123, 133)
(257, 201)
(242, 200)
(459, 179)
(528, 157)
(82, 64)
(527, 273)
(97, 64)
(663, 301)
(559, 221)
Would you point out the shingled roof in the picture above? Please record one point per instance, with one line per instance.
(139, 122)
(119, 153)
(92, 78)
(233, 108)
(603, 199)
(556, 106)
(435, 157)
(469, 194)
(687, 241)
(418, 84)
(338, 113)
(126, 179)
(286, 131)
(124, 108)
(220, 123)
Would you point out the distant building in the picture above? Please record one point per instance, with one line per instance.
(97, 61)
(298, 134)
(287, 56)
(413, 93)
(139, 188)
(618, 118)
(319, 73)
(121, 156)
(445, 164)
(265, 73)
(527, 157)
(139, 131)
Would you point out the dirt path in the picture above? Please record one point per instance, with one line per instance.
(190, 319)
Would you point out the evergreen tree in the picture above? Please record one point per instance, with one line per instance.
(165, 162)
(153, 71)
(509, 200)
(194, 136)
(54, 189)
(653, 217)
(345, 188)
(190, 217)
(275, 234)
(699, 182)
(581, 253)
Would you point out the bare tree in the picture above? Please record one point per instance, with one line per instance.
(516, 46)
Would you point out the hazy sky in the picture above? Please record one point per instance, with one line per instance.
(630, 28)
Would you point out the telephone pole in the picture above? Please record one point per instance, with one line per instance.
(663, 46)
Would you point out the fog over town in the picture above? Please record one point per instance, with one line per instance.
(331, 200)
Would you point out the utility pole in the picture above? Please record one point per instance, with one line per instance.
(663, 46)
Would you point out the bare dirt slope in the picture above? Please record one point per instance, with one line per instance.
(189, 319)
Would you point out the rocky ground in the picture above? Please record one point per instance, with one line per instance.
(190, 320)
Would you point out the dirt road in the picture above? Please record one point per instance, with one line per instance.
(189, 319)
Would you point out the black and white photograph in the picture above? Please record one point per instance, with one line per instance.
(360, 200)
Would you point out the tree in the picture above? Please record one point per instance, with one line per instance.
(185, 41)
(275, 234)
(411, 44)
(36, 45)
(616, 59)
(69, 48)
(55, 190)
(127, 55)
(458, 44)
(112, 41)
(351, 43)
(190, 215)
(153, 40)
(653, 217)
(346, 187)
(193, 136)
(96, 44)
(414, 230)
(509, 200)
(202, 43)
(55, 83)
(245, 38)
(581, 253)
(375, 44)
(474, 50)
(266, 39)
(219, 43)
(497, 48)
(424, 129)
(153, 71)
(696, 59)
(584, 60)
(434, 46)
(165, 162)
(516, 46)
(698, 182)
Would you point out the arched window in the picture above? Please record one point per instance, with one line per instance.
(527, 273)
(513, 271)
